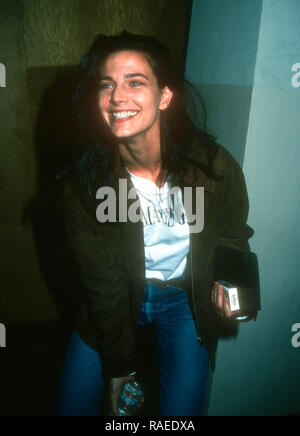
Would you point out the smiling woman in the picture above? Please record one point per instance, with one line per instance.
(133, 124)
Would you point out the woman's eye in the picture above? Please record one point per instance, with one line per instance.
(136, 83)
(104, 86)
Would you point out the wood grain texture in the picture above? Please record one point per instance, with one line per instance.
(51, 31)
(58, 32)
(16, 171)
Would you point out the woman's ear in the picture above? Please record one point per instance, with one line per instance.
(165, 99)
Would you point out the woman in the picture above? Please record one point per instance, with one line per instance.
(147, 266)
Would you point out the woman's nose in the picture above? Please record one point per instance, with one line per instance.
(118, 95)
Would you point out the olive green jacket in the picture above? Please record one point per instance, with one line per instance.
(111, 262)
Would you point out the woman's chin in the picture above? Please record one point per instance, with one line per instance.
(119, 134)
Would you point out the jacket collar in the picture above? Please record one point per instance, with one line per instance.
(196, 177)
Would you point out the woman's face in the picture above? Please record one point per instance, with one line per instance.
(130, 99)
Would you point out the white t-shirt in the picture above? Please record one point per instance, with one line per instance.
(166, 230)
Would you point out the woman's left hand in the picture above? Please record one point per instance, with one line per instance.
(220, 300)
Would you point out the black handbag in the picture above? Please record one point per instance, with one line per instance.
(238, 271)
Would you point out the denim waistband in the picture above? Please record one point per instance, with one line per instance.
(156, 290)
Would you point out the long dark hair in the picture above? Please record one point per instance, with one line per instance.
(95, 151)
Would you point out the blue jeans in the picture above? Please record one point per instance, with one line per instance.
(182, 361)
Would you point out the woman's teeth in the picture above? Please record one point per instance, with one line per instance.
(121, 115)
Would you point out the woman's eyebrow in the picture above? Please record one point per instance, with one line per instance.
(127, 76)
(107, 78)
(130, 75)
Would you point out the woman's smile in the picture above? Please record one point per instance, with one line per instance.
(123, 116)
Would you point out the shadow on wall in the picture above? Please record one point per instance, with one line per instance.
(50, 92)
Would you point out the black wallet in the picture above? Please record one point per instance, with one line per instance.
(240, 269)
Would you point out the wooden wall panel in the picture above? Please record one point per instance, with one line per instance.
(51, 32)
(15, 145)
(24, 294)
(57, 32)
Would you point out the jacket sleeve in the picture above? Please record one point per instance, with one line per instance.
(105, 292)
(234, 232)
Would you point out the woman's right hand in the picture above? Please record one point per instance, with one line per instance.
(116, 386)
